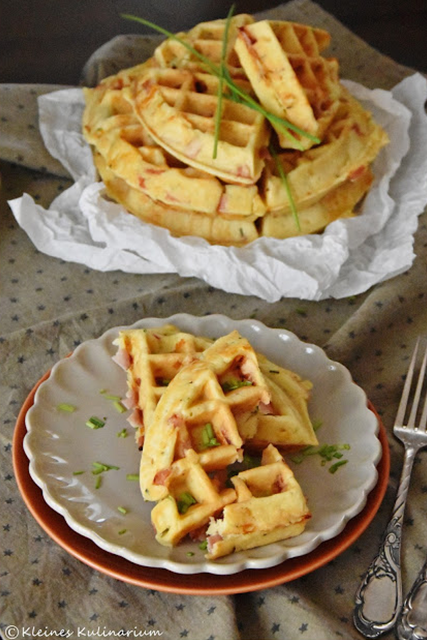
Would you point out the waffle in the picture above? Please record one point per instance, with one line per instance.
(212, 390)
(193, 498)
(130, 153)
(151, 358)
(285, 421)
(214, 229)
(151, 128)
(207, 39)
(342, 202)
(351, 143)
(291, 79)
(200, 404)
(270, 506)
(177, 107)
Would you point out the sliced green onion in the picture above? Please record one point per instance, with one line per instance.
(98, 482)
(95, 423)
(77, 473)
(203, 545)
(64, 406)
(100, 467)
(185, 501)
(122, 510)
(334, 467)
(122, 434)
(133, 477)
(235, 383)
(119, 406)
(109, 396)
(122, 531)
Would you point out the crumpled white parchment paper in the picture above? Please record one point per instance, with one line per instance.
(346, 259)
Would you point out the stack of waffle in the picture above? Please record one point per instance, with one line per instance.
(202, 405)
(235, 130)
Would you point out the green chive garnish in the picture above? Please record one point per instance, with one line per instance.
(122, 510)
(203, 545)
(77, 473)
(100, 467)
(68, 408)
(122, 531)
(235, 383)
(95, 423)
(122, 434)
(185, 501)
(134, 477)
(119, 406)
(333, 468)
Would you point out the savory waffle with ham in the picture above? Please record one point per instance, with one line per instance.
(151, 359)
(284, 421)
(350, 145)
(207, 39)
(152, 132)
(202, 402)
(204, 397)
(291, 78)
(178, 108)
(270, 506)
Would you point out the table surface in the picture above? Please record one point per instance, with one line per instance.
(49, 306)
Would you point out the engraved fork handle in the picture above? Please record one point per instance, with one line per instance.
(379, 596)
(412, 621)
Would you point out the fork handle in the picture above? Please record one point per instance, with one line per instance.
(379, 596)
(412, 620)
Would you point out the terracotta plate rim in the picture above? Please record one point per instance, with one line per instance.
(248, 580)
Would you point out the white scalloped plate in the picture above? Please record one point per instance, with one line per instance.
(58, 444)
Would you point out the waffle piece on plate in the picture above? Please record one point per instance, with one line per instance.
(270, 506)
(202, 399)
(151, 359)
(193, 498)
(290, 77)
(284, 421)
(207, 39)
(178, 106)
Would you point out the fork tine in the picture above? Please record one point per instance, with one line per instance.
(423, 420)
(417, 396)
(407, 387)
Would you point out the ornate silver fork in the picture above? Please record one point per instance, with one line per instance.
(379, 596)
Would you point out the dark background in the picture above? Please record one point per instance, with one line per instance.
(48, 41)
